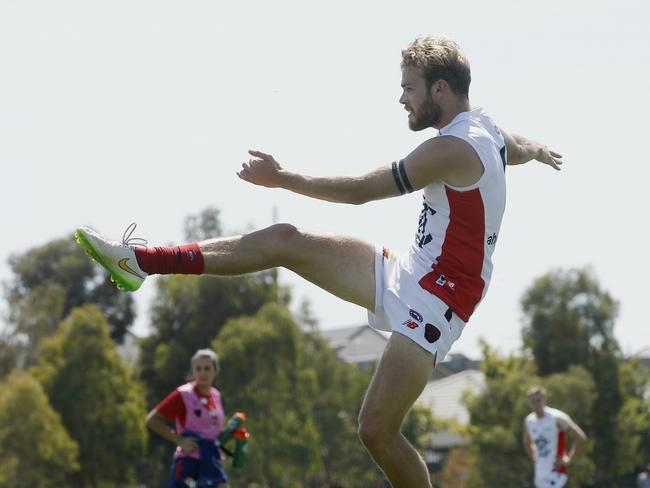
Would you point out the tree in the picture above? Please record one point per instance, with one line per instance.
(101, 405)
(34, 316)
(570, 321)
(419, 424)
(633, 422)
(455, 471)
(302, 402)
(569, 333)
(340, 391)
(48, 282)
(567, 317)
(36, 449)
(10, 353)
(204, 225)
(497, 417)
(187, 313)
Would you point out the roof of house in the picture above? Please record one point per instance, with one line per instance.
(357, 344)
(362, 343)
(444, 396)
(447, 440)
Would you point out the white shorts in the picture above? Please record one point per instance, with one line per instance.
(402, 305)
(553, 479)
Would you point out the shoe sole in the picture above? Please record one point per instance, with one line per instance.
(116, 276)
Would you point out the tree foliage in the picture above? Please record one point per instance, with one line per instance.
(457, 466)
(569, 335)
(570, 321)
(497, 417)
(101, 405)
(36, 449)
(188, 312)
(204, 225)
(302, 402)
(567, 319)
(419, 424)
(48, 282)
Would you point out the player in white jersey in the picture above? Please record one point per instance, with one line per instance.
(425, 296)
(546, 434)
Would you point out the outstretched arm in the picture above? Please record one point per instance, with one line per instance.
(264, 170)
(522, 149)
(433, 159)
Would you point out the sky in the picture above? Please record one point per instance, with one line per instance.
(122, 111)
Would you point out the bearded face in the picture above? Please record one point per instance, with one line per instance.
(417, 100)
(426, 114)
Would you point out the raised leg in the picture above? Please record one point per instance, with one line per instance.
(343, 266)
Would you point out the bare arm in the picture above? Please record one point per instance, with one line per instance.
(434, 159)
(156, 422)
(264, 170)
(579, 439)
(528, 444)
(522, 149)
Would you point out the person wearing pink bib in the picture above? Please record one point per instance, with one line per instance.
(197, 410)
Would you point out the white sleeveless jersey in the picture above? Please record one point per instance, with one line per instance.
(548, 433)
(458, 228)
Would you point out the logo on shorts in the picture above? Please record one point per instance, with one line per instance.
(431, 333)
(191, 255)
(410, 324)
(387, 254)
(416, 315)
(441, 280)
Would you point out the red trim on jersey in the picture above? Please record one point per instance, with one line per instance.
(561, 447)
(173, 406)
(456, 277)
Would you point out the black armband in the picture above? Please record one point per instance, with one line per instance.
(400, 187)
(405, 179)
(402, 181)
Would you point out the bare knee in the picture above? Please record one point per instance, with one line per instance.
(375, 431)
(283, 232)
(280, 241)
(368, 434)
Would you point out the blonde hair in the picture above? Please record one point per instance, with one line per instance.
(206, 353)
(439, 58)
(535, 389)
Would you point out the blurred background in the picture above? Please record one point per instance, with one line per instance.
(143, 111)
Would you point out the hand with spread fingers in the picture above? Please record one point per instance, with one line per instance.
(552, 158)
(261, 170)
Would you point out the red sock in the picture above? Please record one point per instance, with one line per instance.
(186, 259)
